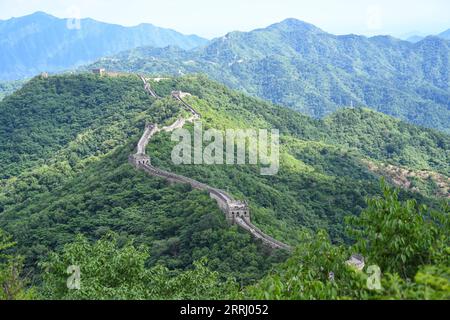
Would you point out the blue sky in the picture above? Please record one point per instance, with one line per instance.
(211, 18)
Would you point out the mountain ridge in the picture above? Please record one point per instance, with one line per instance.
(315, 72)
(40, 42)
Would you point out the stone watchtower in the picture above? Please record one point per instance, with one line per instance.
(180, 94)
(238, 209)
(138, 160)
(99, 71)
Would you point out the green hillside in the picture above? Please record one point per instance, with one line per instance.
(295, 64)
(64, 146)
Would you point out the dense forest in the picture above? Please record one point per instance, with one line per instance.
(8, 87)
(414, 264)
(68, 196)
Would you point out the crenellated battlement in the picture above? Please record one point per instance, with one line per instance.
(238, 209)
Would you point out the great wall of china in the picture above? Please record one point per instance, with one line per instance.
(236, 211)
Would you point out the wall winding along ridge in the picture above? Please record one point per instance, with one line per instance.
(236, 211)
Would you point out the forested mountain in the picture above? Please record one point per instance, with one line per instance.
(64, 145)
(8, 87)
(417, 36)
(40, 42)
(298, 65)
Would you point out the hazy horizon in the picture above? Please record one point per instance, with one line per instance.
(367, 18)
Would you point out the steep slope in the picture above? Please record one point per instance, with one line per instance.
(298, 65)
(45, 115)
(76, 178)
(40, 42)
(383, 138)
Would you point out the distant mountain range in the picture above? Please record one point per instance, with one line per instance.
(41, 42)
(298, 65)
(416, 37)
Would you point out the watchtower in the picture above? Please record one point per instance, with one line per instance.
(99, 71)
(180, 94)
(138, 160)
(238, 209)
(356, 261)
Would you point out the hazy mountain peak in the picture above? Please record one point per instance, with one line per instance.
(40, 14)
(37, 16)
(295, 25)
(387, 40)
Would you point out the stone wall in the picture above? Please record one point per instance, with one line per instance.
(235, 211)
(148, 88)
(149, 131)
